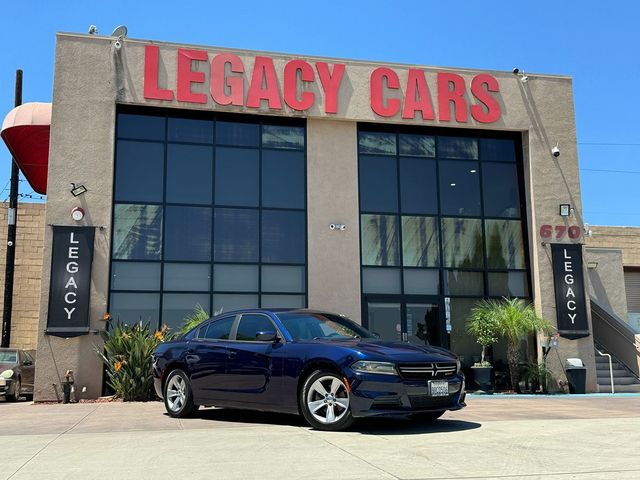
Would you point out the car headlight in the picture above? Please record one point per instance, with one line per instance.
(459, 366)
(7, 374)
(384, 368)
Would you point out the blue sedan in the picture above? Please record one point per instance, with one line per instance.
(321, 365)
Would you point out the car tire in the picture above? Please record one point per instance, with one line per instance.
(427, 417)
(325, 401)
(16, 391)
(178, 397)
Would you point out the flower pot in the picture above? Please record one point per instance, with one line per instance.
(483, 378)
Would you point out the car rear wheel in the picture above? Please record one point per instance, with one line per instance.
(16, 392)
(178, 398)
(324, 401)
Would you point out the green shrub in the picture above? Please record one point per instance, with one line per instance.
(127, 355)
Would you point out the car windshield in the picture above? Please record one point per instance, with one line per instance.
(8, 357)
(320, 326)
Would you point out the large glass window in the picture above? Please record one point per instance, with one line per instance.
(441, 214)
(209, 210)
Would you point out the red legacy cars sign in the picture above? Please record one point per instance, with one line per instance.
(227, 87)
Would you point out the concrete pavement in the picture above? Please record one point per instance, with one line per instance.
(494, 437)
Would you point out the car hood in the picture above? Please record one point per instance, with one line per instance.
(392, 350)
(7, 365)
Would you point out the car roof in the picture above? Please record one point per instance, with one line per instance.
(274, 310)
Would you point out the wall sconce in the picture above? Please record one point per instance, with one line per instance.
(592, 265)
(77, 189)
(565, 210)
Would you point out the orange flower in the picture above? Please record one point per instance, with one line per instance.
(106, 316)
(159, 335)
(117, 366)
(125, 336)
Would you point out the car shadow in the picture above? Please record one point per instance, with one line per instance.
(368, 426)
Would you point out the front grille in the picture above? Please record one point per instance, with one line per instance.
(425, 401)
(427, 371)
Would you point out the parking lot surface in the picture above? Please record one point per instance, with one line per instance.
(497, 437)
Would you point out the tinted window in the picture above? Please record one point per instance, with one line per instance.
(417, 145)
(379, 237)
(418, 185)
(240, 134)
(177, 306)
(282, 179)
(462, 242)
(283, 237)
(187, 234)
(237, 176)
(378, 184)
(276, 136)
(139, 171)
(459, 188)
(497, 150)
(143, 127)
(219, 329)
(500, 190)
(136, 232)
(457, 147)
(189, 174)
(135, 307)
(135, 276)
(236, 235)
(420, 246)
(251, 324)
(190, 130)
(377, 142)
(505, 248)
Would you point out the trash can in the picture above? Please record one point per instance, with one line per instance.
(576, 375)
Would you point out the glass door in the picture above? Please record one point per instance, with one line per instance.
(417, 320)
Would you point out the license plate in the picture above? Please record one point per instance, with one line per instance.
(438, 388)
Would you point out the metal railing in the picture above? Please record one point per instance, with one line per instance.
(610, 368)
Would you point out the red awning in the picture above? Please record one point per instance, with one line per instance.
(25, 130)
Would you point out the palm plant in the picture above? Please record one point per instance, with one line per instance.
(517, 319)
(484, 326)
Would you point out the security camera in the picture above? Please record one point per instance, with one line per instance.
(555, 151)
(93, 30)
(117, 44)
(516, 71)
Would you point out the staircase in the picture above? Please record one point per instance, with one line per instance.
(624, 381)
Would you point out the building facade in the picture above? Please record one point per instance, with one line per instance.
(395, 195)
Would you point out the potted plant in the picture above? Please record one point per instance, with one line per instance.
(484, 325)
(516, 319)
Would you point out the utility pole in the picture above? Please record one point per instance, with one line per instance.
(12, 217)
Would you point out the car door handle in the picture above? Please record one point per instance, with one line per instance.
(232, 354)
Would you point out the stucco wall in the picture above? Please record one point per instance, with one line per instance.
(606, 279)
(625, 238)
(28, 269)
(91, 77)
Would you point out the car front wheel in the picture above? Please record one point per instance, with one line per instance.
(178, 398)
(16, 392)
(324, 401)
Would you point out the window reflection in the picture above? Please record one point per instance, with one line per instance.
(136, 232)
(420, 246)
(457, 147)
(462, 242)
(380, 240)
(505, 249)
(377, 142)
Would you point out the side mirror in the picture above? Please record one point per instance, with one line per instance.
(376, 334)
(269, 336)
(27, 363)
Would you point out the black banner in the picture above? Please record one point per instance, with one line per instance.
(568, 277)
(71, 258)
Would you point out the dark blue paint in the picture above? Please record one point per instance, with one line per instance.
(268, 376)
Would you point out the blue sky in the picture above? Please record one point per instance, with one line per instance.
(594, 42)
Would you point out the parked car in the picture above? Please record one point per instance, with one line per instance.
(321, 365)
(16, 374)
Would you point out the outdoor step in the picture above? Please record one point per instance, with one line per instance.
(618, 381)
(620, 388)
(617, 372)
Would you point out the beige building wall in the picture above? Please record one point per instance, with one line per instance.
(626, 239)
(28, 270)
(91, 77)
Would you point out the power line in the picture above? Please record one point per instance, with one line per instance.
(608, 171)
(604, 144)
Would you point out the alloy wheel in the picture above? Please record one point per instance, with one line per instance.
(328, 400)
(176, 393)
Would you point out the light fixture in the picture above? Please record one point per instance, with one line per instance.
(592, 265)
(453, 184)
(93, 30)
(77, 189)
(473, 170)
(565, 210)
(120, 32)
(77, 213)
